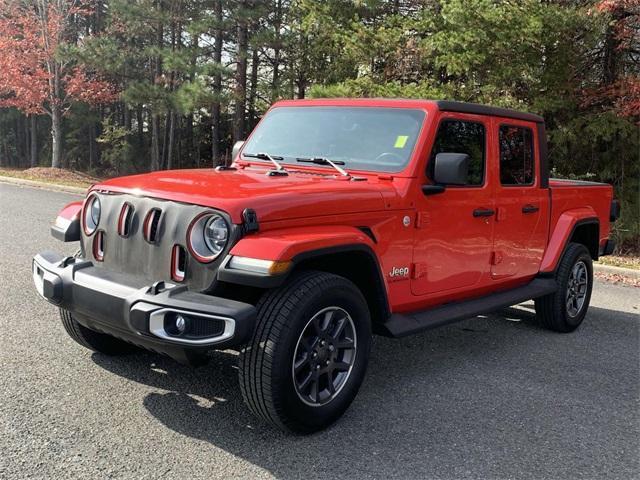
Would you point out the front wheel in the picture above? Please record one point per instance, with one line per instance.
(564, 310)
(308, 354)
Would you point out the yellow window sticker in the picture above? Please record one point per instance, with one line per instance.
(401, 141)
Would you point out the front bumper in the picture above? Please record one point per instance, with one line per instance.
(127, 307)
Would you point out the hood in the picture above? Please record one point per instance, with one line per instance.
(300, 194)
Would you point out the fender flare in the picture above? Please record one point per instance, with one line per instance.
(297, 245)
(566, 225)
(66, 227)
(285, 244)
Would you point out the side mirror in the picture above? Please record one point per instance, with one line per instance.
(451, 169)
(236, 149)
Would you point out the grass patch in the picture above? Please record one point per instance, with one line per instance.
(621, 261)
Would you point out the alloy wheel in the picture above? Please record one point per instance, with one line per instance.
(577, 287)
(324, 356)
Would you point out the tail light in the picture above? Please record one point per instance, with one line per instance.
(124, 220)
(98, 246)
(178, 263)
(151, 224)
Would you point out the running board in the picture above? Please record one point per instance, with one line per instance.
(403, 324)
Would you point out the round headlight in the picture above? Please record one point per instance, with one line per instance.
(216, 233)
(91, 214)
(208, 236)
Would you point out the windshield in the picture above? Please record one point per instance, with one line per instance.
(364, 138)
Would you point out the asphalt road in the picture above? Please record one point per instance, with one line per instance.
(493, 397)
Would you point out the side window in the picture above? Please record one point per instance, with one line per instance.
(458, 136)
(516, 156)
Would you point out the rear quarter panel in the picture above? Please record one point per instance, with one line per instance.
(573, 202)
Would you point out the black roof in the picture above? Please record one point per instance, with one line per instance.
(462, 107)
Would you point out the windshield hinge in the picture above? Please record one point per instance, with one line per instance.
(250, 218)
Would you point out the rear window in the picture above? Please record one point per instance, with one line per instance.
(364, 138)
(516, 155)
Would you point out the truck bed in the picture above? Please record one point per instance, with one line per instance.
(577, 194)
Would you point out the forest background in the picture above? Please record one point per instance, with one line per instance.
(112, 87)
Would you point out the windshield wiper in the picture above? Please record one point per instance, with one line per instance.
(325, 161)
(280, 170)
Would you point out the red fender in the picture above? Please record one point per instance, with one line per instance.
(66, 227)
(71, 211)
(561, 234)
(285, 244)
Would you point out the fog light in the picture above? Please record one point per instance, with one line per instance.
(181, 324)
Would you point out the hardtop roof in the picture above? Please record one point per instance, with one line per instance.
(442, 105)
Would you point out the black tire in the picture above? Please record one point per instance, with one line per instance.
(555, 311)
(266, 372)
(98, 342)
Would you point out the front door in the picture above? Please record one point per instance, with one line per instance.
(522, 207)
(454, 229)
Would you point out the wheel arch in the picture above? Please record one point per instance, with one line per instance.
(582, 227)
(341, 250)
(357, 263)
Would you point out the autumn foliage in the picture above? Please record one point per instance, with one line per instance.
(619, 90)
(33, 77)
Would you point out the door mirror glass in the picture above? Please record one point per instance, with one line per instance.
(451, 169)
(236, 149)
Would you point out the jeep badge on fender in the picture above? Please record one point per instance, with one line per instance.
(293, 255)
(399, 272)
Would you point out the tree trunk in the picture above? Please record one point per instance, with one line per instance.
(56, 137)
(275, 79)
(190, 141)
(93, 145)
(155, 142)
(27, 142)
(127, 117)
(240, 90)
(217, 87)
(165, 141)
(302, 87)
(140, 126)
(34, 141)
(170, 140)
(253, 91)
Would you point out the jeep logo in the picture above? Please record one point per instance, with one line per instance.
(399, 272)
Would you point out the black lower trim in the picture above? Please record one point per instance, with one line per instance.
(403, 324)
(614, 213)
(69, 234)
(608, 247)
(122, 305)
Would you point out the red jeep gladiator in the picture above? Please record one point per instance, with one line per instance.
(337, 219)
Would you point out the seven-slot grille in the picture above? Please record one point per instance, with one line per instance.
(147, 237)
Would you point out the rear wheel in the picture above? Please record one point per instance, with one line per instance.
(564, 310)
(96, 341)
(308, 354)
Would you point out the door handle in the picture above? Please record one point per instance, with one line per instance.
(530, 208)
(483, 212)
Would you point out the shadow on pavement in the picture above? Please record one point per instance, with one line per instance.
(488, 397)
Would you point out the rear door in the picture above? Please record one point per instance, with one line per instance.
(522, 206)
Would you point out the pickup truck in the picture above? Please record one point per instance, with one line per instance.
(338, 219)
